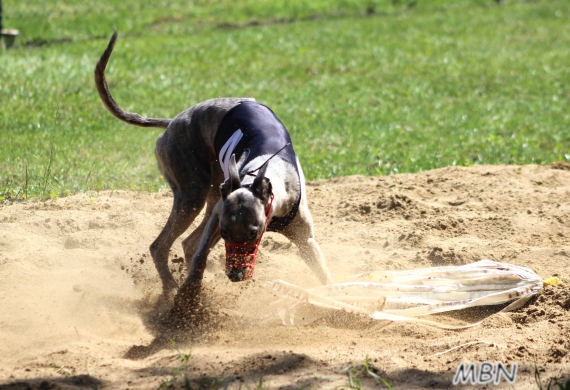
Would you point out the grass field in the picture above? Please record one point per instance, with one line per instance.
(364, 86)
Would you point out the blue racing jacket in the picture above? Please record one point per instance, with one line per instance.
(252, 129)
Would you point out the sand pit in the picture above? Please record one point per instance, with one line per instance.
(77, 287)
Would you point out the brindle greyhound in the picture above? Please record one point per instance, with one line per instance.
(237, 210)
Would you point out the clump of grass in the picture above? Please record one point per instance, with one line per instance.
(179, 372)
(60, 369)
(551, 383)
(356, 374)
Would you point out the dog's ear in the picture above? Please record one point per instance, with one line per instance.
(234, 174)
(261, 186)
(240, 162)
(233, 182)
(225, 189)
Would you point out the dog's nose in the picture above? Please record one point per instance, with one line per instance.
(235, 274)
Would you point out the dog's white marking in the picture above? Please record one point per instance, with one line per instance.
(227, 150)
(301, 178)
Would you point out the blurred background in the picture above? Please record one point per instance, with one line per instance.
(364, 86)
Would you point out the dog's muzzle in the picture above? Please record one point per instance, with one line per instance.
(241, 256)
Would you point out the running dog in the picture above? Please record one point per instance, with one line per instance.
(240, 144)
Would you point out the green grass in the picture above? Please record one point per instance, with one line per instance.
(551, 382)
(42, 21)
(357, 373)
(401, 89)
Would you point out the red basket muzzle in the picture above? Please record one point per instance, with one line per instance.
(241, 256)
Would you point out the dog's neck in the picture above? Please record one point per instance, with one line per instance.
(284, 181)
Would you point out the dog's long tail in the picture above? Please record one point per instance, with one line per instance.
(111, 104)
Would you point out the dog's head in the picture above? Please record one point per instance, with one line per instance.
(243, 220)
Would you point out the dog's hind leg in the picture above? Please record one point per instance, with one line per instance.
(184, 211)
(189, 179)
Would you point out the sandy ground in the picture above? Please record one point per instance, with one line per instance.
(77, 288)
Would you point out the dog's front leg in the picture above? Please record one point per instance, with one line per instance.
(300, 232)
(313, 257)
(188, 295)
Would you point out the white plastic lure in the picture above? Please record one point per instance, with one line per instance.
(406, 295)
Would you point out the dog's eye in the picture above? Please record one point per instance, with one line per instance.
(252, 233)
(224, 233)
